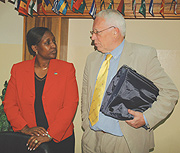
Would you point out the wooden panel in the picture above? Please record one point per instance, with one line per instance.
(54, 24)
(64, 39)
(169, 14)
(28, 24)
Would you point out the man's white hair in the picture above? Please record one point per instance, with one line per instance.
(113, 18)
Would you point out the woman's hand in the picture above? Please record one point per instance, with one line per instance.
(37, 131)
(35, 141)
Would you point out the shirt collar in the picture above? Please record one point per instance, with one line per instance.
(117, 51)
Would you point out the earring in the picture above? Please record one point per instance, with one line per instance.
(36, 52)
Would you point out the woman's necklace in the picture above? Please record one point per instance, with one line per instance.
(37, 64)
(44, 68)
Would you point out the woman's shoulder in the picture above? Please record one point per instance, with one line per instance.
(61, 65)
(23, 64)
(60, 62)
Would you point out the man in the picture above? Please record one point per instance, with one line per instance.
(103, 134)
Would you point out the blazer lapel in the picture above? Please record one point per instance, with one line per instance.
(28, 76)
(52, 75)
(126, 56)
(96, 63)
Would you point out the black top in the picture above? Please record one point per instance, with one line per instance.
(65, 146)
(41, 119)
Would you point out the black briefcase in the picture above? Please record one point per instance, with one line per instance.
(128, 90)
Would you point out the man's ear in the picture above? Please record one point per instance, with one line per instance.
(116, 30)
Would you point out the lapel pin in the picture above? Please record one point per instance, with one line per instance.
(55, 73)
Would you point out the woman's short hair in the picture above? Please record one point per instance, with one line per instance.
(114, 18)
(34, 36)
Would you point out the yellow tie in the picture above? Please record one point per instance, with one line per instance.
(99, 91)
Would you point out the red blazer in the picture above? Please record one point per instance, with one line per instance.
(60, 97)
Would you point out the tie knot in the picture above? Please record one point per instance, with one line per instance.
(108, 57)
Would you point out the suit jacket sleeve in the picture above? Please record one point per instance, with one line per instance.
(168, 93)
(84, 99)
(11, 103)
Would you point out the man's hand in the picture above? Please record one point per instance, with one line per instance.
(138, 120)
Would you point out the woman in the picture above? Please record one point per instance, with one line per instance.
(42, 95)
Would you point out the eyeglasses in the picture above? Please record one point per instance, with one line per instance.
(97, 32)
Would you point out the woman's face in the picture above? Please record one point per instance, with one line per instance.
(47, 47)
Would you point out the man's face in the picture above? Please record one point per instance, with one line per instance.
(103, 40)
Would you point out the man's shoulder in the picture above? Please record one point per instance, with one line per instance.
(137, 46)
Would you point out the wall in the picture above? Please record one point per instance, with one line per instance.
(11, 37)
(165, 37)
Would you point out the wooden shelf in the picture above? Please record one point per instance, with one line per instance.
(168, 14)
(128, 15)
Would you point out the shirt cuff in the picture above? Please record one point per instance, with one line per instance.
(146, 122)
